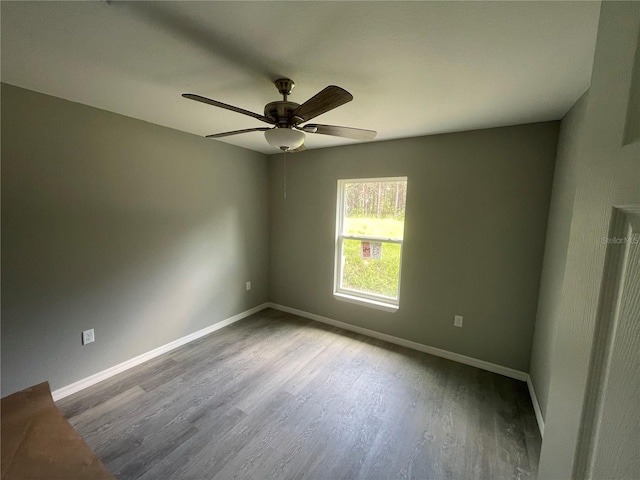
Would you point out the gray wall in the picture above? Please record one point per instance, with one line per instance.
(608, 175)
(555, 253)
(477, 208)
(144, 233)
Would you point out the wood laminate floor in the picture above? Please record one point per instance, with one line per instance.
(276, 396)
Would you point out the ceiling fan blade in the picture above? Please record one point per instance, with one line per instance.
(323, 101)
(236, 132)
(215, 103)
(336, 131)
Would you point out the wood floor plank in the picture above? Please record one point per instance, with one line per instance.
(408, 433)
(103, 391)
(193, 448)
(280, 397)
(106, 407)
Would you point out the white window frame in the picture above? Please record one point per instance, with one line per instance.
(379, 302)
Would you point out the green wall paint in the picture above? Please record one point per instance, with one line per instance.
(144, 233)
(148, 234)
(477, 207)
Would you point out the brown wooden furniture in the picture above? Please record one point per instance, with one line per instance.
(38, 443)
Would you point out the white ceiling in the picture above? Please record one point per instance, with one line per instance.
(414, 68)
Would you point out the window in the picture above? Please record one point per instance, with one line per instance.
(369, 235)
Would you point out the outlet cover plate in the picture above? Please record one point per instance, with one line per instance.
(457, 321)
(88, 336)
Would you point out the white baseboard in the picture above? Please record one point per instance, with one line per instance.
(536, 406)
(110, 372)
(456, 357)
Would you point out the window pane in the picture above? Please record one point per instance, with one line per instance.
(375, 208)
(378, 274)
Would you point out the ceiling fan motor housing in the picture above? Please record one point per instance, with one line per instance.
(280, 112)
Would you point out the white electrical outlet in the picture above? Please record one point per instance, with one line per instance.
(88, 336)
(248, 285)
(457, 321)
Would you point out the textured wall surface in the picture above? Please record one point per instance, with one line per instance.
(477, 207)
(144, 233)
(608, 177)
(555, 250)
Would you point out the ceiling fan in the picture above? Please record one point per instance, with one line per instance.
(286, 118)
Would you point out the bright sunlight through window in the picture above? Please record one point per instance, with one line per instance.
(369, 234)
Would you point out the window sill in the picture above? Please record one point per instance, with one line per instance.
(365, 302)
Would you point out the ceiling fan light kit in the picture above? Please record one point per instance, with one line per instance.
(287, 132)
(284, 138)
